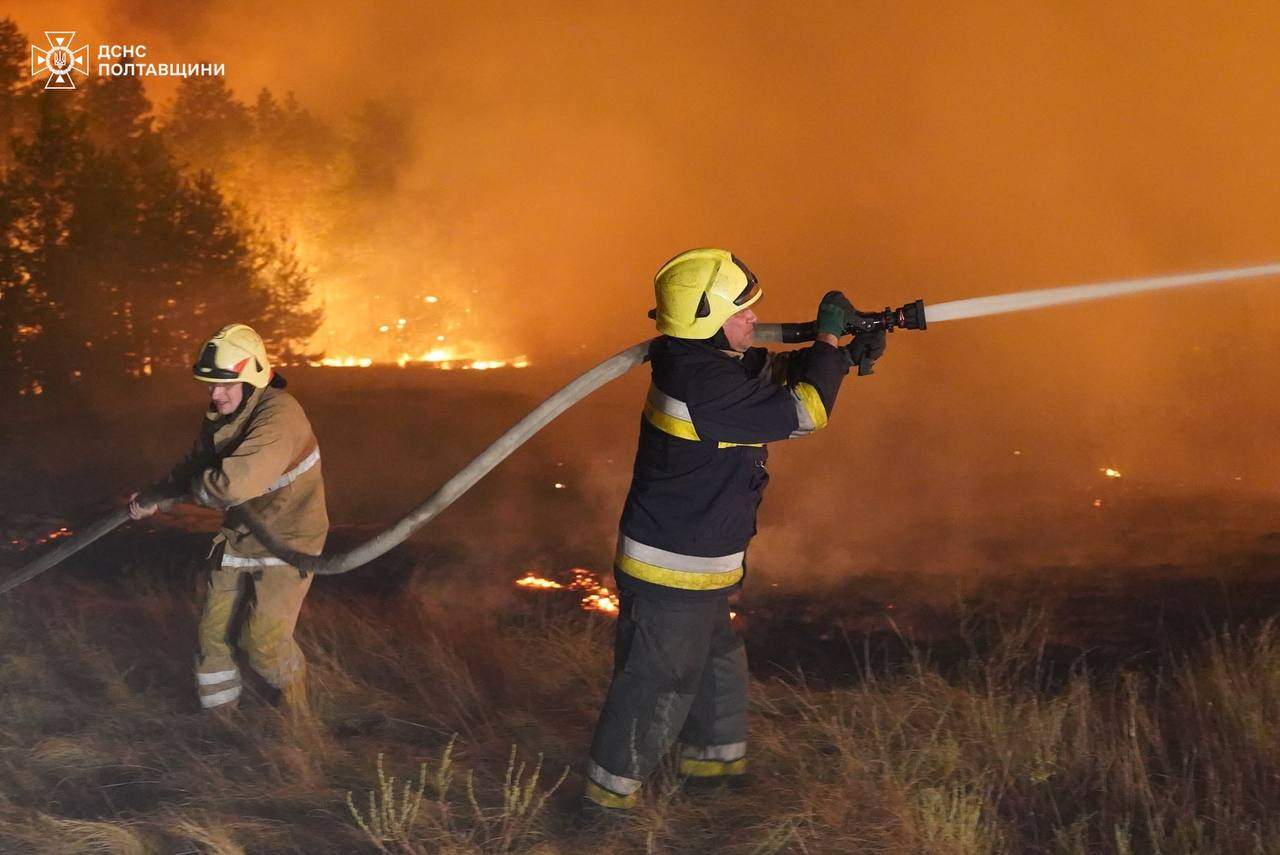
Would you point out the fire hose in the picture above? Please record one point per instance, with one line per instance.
(910, 316)
(501, 448)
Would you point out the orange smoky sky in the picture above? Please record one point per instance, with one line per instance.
(562, 151)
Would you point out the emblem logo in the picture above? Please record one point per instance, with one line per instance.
(60, 60)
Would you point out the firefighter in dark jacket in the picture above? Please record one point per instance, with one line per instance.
(680, 669)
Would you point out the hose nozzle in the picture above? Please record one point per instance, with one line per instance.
(908, 317)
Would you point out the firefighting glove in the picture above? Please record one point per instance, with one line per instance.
(865, 349)
(833, 314)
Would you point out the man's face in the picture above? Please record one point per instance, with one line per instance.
(740, 330)
(225, 397)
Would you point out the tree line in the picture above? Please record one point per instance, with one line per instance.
(119, 250)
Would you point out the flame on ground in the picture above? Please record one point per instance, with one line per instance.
(595, 596)
(531, 580)
(23, 543)
(343, 362)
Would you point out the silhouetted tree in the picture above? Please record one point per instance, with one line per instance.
(381, 144)
(285, 324)
(117, 112)
(206, 125)
(17, 89)
(112, 261)
(38, 294)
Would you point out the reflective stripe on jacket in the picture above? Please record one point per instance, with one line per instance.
(264, 458)
(700, 465)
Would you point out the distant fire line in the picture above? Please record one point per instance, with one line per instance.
(441, 358)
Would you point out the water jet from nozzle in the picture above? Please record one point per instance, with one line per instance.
(1021, 301)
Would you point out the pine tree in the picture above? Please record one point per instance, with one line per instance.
(117, 112)
(17, 90)
(36, 287)
(206, 125)
(285, 324)
(112, 262)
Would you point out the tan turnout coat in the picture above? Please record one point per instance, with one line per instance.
(264, 458)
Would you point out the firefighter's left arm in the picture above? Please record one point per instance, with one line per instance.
(262, 457)
(815, 374)
(793, 398)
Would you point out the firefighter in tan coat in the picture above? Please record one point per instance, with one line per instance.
(255, 451)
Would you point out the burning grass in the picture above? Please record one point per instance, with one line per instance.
(596, 596)
(440, 729)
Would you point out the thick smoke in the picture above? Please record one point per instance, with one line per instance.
(561, 153)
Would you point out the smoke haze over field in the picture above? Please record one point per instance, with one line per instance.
(565, 151)
(560, 152)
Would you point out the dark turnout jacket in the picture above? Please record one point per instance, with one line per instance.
(700, 466)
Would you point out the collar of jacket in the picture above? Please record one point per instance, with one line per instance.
(669, 343)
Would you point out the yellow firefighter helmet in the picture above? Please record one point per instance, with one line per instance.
(233, 353)
(699, 290)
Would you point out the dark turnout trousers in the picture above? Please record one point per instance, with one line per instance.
(679, 673)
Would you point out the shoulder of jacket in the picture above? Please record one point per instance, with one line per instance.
(713, 377)
(277, 404)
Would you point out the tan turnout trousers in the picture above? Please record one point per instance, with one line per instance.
(263, 458)
(270, 598)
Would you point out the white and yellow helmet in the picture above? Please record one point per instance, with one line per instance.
(233, 353)
(700, 289)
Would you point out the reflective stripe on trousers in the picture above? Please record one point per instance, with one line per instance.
(713, 761)
(217, 688)
(266, 632)
(680, 674)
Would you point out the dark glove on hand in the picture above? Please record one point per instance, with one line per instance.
(865, 349)
(833, 314)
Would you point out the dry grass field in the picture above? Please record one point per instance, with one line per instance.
(1124, 706)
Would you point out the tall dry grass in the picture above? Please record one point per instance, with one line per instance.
(102, 751)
